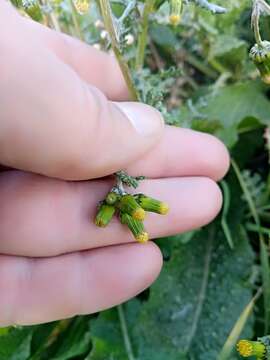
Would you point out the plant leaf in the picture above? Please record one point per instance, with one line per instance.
(192, 307)
(16, 344)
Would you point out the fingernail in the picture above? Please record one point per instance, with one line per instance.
(145, 119)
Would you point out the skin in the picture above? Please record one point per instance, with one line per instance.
(61, 134)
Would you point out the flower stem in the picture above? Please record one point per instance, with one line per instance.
(109, 22)
(142, 40)
(124, 329)
(255, 21)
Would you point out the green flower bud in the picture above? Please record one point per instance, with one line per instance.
(260, 55)
(152, 205)
(248, 348)
(112, 198)
(136, 227)
(32, 8)
(175, 11)
(128, 204)
(104, 215)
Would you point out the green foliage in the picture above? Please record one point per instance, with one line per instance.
(16, 344)
(199, 75)
(191, 309)
(245, 100)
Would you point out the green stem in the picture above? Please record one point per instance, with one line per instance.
(255, 22)
(247, 194)
(202, 292)
(142, 40)
(124, 329)
(75, 21)
(217, 66)
(110, 27)
(202, 67)
(256, 228)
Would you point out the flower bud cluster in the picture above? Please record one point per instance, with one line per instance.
(260, 55)
(131, 210)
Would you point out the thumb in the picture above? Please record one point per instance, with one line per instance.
(69, 130)
(130, 130)
(119, 133)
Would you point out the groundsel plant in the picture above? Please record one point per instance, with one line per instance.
(131, 209)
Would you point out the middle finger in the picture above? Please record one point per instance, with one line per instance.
(40, 216)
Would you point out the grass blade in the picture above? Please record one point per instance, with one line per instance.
(265, 271)
(230, 343)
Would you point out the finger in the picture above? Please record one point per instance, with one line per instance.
(47, 217)
(93, 66)
(184, 152)
(60, 126)
(43, 290)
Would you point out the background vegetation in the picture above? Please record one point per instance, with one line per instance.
(215, 284)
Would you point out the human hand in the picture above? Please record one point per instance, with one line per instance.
(57, 126)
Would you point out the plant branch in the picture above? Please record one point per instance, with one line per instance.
(142, 40)
(109, 22)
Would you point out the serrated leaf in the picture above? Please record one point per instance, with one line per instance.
(231, 104)
(228, 107)
(229, 49)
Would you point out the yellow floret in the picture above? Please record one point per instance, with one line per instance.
(175, 19)
(142, 238)
(248, 348)
(244, 348)
(164, 209)
(138, 214)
